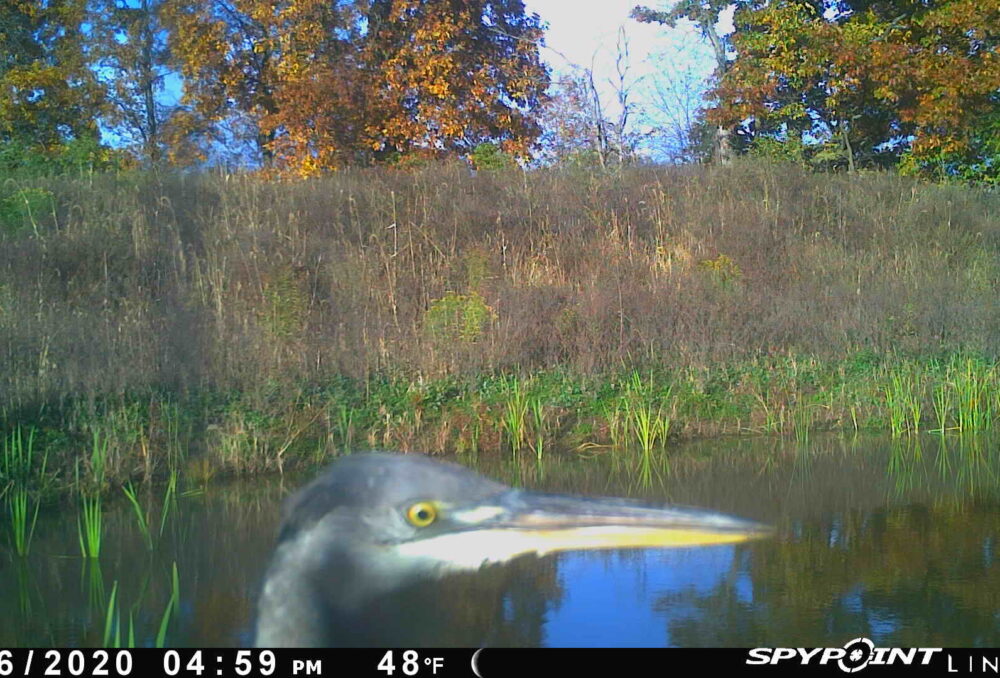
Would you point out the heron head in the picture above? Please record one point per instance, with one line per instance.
(376, 522)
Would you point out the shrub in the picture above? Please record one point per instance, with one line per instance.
(458, 317)
(487, 156)
(20, 211)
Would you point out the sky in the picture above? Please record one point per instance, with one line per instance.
(584, 33)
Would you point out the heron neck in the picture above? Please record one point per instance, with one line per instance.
(313, 592)
(289, 613)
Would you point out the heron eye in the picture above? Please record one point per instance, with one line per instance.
(421, 514)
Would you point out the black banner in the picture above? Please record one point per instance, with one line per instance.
(488, 662)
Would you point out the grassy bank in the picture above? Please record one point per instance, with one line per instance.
(221, 324)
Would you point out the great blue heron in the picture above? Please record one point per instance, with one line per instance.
(374, 523)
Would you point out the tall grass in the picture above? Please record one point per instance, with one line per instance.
(802, 422)
(538, 415)
(169, 502)
(345, 426)
(22, 520)
(22, 465)
(88, 525)
(171, 610)
(158, 323)
(963, 395)
(141, 516)
(98, 457)
(116, 634)
(975, 402)
(515, 413)
(904, 398)
(648, 424)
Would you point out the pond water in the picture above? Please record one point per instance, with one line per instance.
(894, 541)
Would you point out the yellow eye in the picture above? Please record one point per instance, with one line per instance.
(421, 514)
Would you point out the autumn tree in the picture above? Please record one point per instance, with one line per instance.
(326, 84)
(234, 55)
(416, 76)
(858, 82)
(48, 95)
(128, 51)
(940, 69)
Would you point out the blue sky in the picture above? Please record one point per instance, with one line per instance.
(585, 33)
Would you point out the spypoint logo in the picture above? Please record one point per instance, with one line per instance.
(858, 653)
(851, 658)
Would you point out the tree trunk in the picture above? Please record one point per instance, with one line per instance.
(723, 149)
(148, 85)
(847, 147)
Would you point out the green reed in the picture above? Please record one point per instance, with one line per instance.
(647, 424)
(22, 528)
(169, 501)
(903, 391)
(114, 627)
(944, 403)
(774, 417)
(613, 416)
(802, 420)
(538, 414)
(171, 610)
(88, 526)
(98, 456)
(515, 413)
(475, 426)
(345, 427)
(973, 382)
(20, 462)
(111, 620)
(172, 419)
(141, 517)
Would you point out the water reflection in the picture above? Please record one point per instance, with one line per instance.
(894, 540)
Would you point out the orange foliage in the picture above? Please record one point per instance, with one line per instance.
(917, 74)
(330, 84)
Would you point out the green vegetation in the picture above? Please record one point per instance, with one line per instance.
(114, 625)
(20, 463)
(180, 328)
(88, 526)
(22, 521)
(141, 516)
(515, 413)
(489, 156)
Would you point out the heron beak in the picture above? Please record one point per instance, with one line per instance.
(561, 523)
(517, 523)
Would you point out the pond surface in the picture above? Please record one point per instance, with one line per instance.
(894, 541)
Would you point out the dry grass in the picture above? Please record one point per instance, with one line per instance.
(208, 284)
